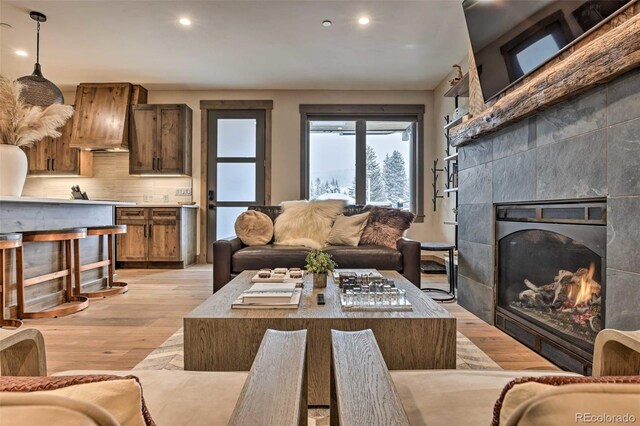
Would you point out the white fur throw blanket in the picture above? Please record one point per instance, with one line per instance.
(306, 223)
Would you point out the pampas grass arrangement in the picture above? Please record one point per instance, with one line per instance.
(22, 124)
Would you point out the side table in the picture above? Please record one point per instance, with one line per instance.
(451, 294)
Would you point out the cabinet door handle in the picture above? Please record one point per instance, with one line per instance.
(150, 230)
(48, 160)
(145, 230)
(154, 163)
(53, 164)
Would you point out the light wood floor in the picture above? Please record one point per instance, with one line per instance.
(118, 332)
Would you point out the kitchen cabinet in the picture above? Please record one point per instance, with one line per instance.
(101, 120)
(160, 139)
(157, 236)
(55, 157)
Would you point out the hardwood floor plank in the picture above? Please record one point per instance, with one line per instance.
(117, 333)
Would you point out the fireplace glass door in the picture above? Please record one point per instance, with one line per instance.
(552, 281)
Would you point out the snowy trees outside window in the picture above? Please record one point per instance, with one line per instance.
(387, 158)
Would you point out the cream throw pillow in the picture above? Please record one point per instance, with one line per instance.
(254, 228)
(306, 223)
(121, 398)
(347, 230)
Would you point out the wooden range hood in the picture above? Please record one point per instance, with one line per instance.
(101, 120)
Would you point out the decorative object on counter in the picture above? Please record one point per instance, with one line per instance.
(457, 76)
(23, 125)
(9, 242)
(254, 228)
(77, 194)
(38, 90)
(319, 264)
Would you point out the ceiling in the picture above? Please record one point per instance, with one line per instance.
(238, 44)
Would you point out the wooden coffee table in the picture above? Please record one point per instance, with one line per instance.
(218, 338)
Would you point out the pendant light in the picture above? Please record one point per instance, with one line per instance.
(38, 90)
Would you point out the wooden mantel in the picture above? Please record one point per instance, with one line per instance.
(607, 53)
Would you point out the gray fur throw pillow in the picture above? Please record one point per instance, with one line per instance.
(385, 226)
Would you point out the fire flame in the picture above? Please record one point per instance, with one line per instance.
(587, 286)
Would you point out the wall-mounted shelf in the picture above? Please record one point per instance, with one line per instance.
(451, 157)
(449, 190)
(461, 88)
(453, 123)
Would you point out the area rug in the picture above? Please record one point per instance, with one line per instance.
(170, 355)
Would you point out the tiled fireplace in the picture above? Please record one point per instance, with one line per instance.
(550, 285)
(554, 200)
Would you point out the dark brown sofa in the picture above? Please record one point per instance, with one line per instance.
(230, 256)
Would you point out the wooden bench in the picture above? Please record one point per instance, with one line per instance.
(362, 392)
(274, 392)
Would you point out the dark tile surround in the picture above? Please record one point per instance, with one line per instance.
(587, 147)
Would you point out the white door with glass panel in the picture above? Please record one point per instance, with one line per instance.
(235, 169)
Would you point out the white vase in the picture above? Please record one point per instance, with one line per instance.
(13, 170)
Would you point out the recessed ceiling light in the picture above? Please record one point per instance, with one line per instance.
(327, 23)
(185, 21)
(21, 53)
(363, 20)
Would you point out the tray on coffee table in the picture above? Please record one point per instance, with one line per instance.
(287, 278)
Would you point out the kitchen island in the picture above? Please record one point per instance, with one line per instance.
(33, 214)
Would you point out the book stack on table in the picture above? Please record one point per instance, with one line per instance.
(269, 296)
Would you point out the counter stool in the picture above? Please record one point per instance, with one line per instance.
(451, 294)
(113, 287)
(71, 304)
(8, 242)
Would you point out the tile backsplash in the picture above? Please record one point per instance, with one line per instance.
(111, 181)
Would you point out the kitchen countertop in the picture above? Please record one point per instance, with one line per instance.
(31, 200)
(189, 206)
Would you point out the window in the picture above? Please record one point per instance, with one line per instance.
(536, 44)
(364, 154)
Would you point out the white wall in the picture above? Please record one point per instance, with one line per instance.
(286, 142)
(285, 173)
(442, 107)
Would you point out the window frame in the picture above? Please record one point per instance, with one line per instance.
(361, 114)
(555, 25)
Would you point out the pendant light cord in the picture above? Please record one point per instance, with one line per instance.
(38, 43)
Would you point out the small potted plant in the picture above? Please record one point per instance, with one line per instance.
(319, 264)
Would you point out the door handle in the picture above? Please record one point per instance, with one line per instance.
(53, 164)
(150, 230)
(212, 206)
(48, 160)
(211, 195)
(145, 230)
(154, 163)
